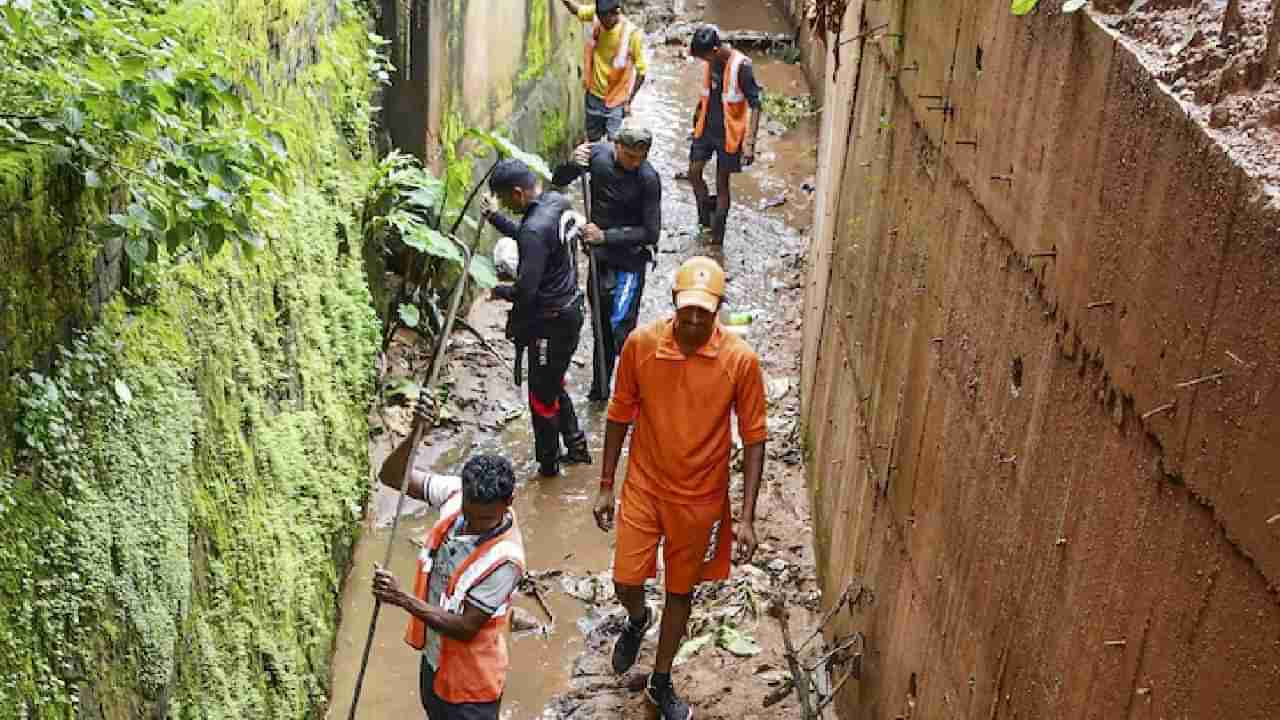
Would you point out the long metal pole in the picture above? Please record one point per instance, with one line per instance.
(601, 371)
(419, 427)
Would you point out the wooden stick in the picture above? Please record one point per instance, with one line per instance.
(831, 612)
(1200, 380)
(419, 428)
(801, 678)
(1156, 411)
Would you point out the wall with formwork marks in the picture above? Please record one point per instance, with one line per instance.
(512, 65)
(1041, 386)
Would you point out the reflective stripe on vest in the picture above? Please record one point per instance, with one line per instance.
(737, 112)
(622, 75)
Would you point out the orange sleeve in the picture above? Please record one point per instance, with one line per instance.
(749, 401)
(624, 406)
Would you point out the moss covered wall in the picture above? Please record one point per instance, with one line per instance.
(183, 464)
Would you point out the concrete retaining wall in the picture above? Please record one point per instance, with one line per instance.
(509, 64)
(1028, 258)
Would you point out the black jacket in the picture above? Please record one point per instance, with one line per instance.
(545, 281)
(626, 205)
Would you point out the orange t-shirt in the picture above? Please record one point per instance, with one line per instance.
(681, 408)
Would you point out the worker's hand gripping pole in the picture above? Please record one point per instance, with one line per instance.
(419, 428)
(598, 313)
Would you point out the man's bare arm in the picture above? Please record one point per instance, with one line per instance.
(752, 471)
(457, 627)
(614, 435)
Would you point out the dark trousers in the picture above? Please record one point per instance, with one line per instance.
(549, 403)
(620, 297)
(438, 709)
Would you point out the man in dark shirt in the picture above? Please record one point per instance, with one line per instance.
(547, 313)
(725, 124)
(626, 220)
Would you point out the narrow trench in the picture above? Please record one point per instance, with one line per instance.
(763, 257)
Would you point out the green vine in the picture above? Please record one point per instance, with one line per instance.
(123, 95)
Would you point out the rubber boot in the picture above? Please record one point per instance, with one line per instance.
(706, 210)
(578, 453)
(718, 221)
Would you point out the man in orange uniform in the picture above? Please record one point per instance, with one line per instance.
(678, 381)
(613, 68)
(725, 124)
(460, 607)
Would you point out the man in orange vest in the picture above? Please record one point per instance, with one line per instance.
(725, 124)
(613, 68)
(679, 382)
(468, 568)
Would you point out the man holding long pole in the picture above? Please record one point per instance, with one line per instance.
(625, 223)
(679, 382)
(460, 607)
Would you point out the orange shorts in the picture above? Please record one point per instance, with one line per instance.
(697, 540)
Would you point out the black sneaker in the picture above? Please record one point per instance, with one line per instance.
(669, 704)
(549, 471)
(627, 647)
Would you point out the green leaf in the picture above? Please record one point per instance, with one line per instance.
(410, 315)
(218, 195)
(277, 144)
(427, 196)
(138, 249)
(1022, 7)
(177, 236)
(72, 119)
(217, 236)
(404, 387)
(483, 272)
(1071, 6)
(428, 240)
(507, 149)
(691, 647)
(737, 642)
(123, 392)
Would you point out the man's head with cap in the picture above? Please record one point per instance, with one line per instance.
(697, 292)
(631, 146)
(705, 42)
(609, 12)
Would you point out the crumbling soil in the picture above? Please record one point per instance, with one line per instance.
(1214, 57)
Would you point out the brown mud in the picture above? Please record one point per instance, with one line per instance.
(1220, 60)
(556, 670)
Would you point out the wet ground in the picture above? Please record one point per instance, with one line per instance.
(763, 256)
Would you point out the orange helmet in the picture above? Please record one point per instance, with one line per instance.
(699, 282)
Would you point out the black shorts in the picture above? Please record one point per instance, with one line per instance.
(701, 150)
(438, 709)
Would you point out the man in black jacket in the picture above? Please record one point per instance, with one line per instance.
(626, 219)
(547, 313)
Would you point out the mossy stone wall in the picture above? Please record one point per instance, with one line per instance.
(183, 464)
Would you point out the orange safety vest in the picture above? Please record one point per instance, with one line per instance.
(737, 113)
(475, 671)
(622, 78)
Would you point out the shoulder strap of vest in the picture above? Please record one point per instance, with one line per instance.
(483, 562)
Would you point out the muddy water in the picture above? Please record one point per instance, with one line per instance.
(555, 514)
